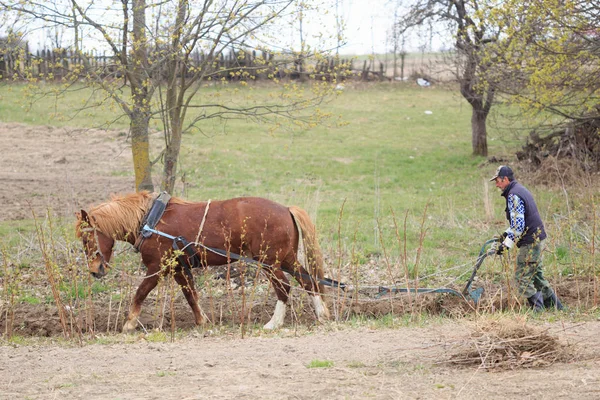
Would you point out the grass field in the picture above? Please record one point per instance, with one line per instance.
(395, 180)
(388, 160)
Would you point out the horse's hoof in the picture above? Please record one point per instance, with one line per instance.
(321, 309)
(129, 327)
(269, 326)
(203, 320)
(278, 316)
(273, 324)
(323, 320)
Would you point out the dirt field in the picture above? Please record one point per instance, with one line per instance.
(44, 168)
(64, 170)
(366, 364)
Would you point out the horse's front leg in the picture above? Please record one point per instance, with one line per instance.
(282, 290)
(191, 295)
(149, 283)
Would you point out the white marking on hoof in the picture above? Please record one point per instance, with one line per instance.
(278, 316)
(321, 309)
(130, 325)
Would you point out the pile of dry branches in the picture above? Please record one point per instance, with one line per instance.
(509, 344)
(575, 147)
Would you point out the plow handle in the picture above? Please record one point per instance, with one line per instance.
(482, 255)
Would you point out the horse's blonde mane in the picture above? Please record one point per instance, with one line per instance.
(122, 214)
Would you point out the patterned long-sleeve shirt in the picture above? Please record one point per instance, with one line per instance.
(516, 207)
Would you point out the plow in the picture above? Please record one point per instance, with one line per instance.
(468, 293)
(378, 291)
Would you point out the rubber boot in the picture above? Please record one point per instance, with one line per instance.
(536, 302)
(553, 302)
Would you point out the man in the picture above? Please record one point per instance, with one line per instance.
(527, 233)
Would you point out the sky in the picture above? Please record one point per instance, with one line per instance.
(367, 24)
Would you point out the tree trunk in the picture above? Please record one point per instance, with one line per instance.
(140, 150)
(480, 103)
(172, 153)
(479, 132)
(176, 83)
(140, 114)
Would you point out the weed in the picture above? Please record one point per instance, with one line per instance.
(356, 364)
(320, 364)
(29, 299)
(156, 336)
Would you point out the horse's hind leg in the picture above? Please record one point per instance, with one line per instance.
(145, 287)
(191, 295)
(312, 287)
(282, 290)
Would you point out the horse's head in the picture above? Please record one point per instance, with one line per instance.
(97, 245)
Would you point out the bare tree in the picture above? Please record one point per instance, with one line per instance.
(467, 21)
(164, 54)
(398, 41)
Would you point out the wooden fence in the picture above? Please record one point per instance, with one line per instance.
(17, 63)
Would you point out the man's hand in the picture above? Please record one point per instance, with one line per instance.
(501, 236)
(499, 248)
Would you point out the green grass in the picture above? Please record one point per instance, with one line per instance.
(389, 165)
(80, 290)
(29, 299)
(156, 337)
(386, 159)
(320, 364)
(10, 231)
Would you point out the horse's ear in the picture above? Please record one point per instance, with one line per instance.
(83, 216)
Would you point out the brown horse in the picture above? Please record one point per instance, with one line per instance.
(253, 227)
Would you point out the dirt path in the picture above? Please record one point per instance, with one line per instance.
(59, 169)
(374, 364)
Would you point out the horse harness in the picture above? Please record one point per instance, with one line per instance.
(189, 254)
(179, 243)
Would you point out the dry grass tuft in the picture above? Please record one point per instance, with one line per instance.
(509, 343)
(559, 171)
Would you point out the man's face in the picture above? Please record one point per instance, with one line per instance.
(502, 182)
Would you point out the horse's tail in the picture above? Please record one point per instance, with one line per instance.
(312, 250)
